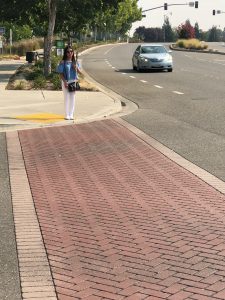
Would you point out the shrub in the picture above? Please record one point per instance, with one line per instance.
(20, 86)
(180, 43)
(34, 73)
(39, 64)
(55, 80)
(191, 44)
(39, 82)
(55, 61)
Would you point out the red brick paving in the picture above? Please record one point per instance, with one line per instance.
(120, 220)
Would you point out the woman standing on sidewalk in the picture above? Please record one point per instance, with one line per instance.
(68, 70)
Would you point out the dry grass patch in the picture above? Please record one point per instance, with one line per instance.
(18, 80)
(191, 44)
(9, 56)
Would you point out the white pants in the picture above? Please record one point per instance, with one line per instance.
(69, 102)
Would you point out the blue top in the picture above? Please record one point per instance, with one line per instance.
(68, 71)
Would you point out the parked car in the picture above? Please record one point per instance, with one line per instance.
(152, 57)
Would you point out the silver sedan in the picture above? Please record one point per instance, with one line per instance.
(152, 57)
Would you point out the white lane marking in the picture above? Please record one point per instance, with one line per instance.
(132, 77)
(106, 52)
(158, 86)
(218, 63)
(144, 81)
(113, 67)
(114, 46)
(178, 93)
(124, 73)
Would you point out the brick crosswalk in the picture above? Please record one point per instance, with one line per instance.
(119, 220)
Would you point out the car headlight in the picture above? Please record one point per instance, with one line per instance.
(168, 59)
(144, 59)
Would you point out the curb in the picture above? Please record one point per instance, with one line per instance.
(127, 106)
(210, 51)
(205, 176)
(35, 273)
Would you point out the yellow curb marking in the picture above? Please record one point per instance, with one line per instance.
(41, 118)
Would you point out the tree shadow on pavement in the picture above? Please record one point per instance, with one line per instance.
(126, 71)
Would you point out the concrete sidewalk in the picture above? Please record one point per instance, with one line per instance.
(39, 108)
(30, 109)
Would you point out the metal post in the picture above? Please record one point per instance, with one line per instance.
(164, 29)
(10, 40)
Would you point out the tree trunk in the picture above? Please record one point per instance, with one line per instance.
(52, 5)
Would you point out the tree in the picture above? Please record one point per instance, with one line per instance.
(169, 34)
(154, 35)
(52, 7)
(18, 32)
(186, 31)
(224, 34)
(197, 31)
(139, 33)
(127, 13)
(27, 12)
(73, 16)
(215, 34)
(117, 21)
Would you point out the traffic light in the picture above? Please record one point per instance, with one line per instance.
(214, 12)
(165, 6)
(196, 4)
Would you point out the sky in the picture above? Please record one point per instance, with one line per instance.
(178, 14)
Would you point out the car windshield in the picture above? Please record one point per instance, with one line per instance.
(153, 49)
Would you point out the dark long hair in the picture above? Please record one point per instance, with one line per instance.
(67, 48)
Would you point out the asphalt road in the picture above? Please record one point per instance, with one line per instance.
(184, 110)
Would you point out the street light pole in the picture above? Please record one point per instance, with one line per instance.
(218, 12)
(165, 6)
